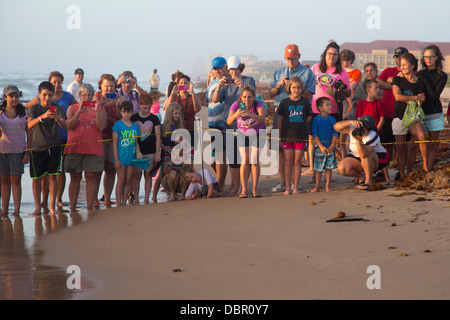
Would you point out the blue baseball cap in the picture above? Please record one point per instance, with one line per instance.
(219, 62)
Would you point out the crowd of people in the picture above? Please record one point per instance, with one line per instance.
(328, 115)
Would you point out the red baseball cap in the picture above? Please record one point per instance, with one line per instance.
(291, 51)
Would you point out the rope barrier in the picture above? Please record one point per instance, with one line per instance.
(222, 131)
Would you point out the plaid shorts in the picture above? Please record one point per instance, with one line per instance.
(324, 161)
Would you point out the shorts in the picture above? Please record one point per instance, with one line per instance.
(47, 161)
(252, 140)
(294, 145)
(77, 163)
(383, 159)
(387, 136)
(324, 161)
(150, 156)
(108, 151)
(11, 164)
(435, 123)
(398, 129)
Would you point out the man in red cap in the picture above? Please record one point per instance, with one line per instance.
(277, 91)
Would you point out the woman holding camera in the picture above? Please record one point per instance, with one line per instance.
(228, 92)
(333, 82)
(84, 151)
(366, 154)
(108, 99)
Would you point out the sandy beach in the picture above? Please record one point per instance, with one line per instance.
(274, 247)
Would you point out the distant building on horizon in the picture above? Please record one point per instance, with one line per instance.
(381, 52)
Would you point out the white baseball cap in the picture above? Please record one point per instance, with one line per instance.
(233, 62)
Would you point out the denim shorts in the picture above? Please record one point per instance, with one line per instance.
(434, 123)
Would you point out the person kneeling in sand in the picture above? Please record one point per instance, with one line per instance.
(199, 181)
(366, 155)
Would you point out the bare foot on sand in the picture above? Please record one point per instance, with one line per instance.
(315, 189)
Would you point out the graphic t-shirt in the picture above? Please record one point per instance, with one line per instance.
(126, 145)
(147, 141)
(294, 127)
(246, 124)
(326, 80)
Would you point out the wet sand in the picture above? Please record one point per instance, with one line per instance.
(273, 247)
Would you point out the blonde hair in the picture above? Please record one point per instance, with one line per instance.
(167, 123)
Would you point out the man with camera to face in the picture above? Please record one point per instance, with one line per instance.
(277, 91)
(366, 154)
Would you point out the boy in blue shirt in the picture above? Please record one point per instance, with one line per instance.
(325, 137)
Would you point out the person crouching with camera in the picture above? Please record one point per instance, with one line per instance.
(366, 154)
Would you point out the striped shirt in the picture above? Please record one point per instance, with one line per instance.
(14, 138)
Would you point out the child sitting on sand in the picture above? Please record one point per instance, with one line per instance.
(125, 148)
(199, 182)
(325, 137)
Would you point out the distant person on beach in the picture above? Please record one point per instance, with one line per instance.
(201, 182)
(108, 99)
(435, 79)
(405, 88)
(173, 83)
(75, 84)
(44, 119)
(366, 154)
(64, 99)
(372, 106)
(149, 144)
(13, 143)
(154, 80)
(216, 121)
(125, 84)
(126, 148)
(385, 83)
(294, 120)
(169, 173)
(325, 139)
(250, 117)
(228, 91)
(277, 91)
(84, 151)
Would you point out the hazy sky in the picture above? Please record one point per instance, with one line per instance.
(109, 36)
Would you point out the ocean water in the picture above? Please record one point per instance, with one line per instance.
(28, 82)
(22, 274)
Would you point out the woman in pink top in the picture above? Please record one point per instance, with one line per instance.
(332, 81)
(250, 116)
(84, 149)
(13, 142)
